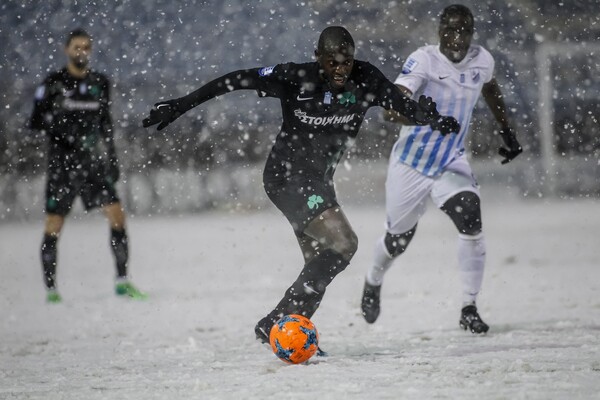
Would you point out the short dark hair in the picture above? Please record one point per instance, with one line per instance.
(456, 10)
(78, 32)
(334, 37)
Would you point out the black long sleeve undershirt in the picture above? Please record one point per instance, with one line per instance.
(249, 79)
(236, 80)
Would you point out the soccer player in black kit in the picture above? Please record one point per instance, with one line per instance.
(72, 108)
(323, 105)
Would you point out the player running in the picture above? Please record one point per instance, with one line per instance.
(72, 109)
(425, 162)
(323, 105)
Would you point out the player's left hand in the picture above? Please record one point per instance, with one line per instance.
(163, 113)
(445, 125)
(510, 140)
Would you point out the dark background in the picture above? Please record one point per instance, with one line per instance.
(162, 49)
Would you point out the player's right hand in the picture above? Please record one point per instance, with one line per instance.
(163, 113)
(445, 125)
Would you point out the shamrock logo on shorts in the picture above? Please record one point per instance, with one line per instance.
(314, 201)
(347, 98)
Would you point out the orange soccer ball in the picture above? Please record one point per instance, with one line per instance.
(294, 339)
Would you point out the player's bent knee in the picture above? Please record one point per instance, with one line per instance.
(397, 244)
(465, 211)
(346, 246)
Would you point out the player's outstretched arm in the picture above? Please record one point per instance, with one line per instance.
(421, 112)
(495, 100)
(394, 116)
(165, 112)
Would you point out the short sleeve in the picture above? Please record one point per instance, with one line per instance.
(41, 105)
(415, 71)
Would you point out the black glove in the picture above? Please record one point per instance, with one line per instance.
(510, 140)
(426, 111)
(445, 125)
(164, 112)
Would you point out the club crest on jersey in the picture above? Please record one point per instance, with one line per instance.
(475, 76)
(346, 98)
(409, 65)
(266, 71)
(94, 90)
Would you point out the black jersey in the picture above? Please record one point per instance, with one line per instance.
(74, 113)
(319, 123)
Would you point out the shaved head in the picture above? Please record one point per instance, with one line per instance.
(335, 39)
(457, 10)
(335, 55)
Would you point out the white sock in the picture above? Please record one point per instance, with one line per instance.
(382, 261)
(471, 262)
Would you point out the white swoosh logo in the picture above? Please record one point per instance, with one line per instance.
(309, 289)
(162, 105)
(303, 98)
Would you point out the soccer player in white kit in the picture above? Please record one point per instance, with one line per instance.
(426, 163)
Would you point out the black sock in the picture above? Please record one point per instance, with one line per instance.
(49, 256)
(120, 246)
(306, 293)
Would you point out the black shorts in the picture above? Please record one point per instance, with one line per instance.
(301, 198)
(63, 185)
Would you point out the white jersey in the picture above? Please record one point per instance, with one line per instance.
(455, 88)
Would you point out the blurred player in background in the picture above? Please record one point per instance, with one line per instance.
(425, 163)
(323, 106)
(72, 109)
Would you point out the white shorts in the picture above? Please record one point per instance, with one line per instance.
(406, 191)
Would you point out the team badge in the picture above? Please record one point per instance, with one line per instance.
(40, 92)
(266, 71)
(409, 65)
(475, 76)
(327, 98)
(94, 90)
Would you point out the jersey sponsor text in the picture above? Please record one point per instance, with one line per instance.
(322, 121)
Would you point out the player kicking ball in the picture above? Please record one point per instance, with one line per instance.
(323, 105)
(429, 163)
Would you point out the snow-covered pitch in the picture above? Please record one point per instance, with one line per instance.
(210, 277)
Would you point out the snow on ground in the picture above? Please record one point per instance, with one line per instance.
(210, 277)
